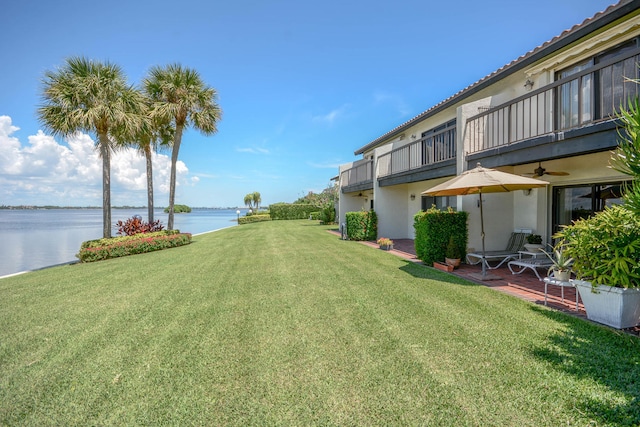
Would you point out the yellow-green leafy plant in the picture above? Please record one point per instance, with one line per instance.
(384, 241)
(562, 262)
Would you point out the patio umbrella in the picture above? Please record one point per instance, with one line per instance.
(483, 180)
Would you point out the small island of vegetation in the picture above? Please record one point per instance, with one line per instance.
(179, 209)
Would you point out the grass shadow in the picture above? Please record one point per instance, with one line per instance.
(422, 271)
(610, 358)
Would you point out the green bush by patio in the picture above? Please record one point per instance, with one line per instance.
(434, 228)
(282, 323)
(362, 225)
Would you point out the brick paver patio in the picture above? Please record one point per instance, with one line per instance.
(525, 285)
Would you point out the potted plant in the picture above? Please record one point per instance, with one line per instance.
(562, 263)
(606, 253)
(534, 243)
(385, 243)
(606, 247)
(453, 253)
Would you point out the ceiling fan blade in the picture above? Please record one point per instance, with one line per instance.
(557, 173)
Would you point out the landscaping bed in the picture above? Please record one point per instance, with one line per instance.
(101, 249)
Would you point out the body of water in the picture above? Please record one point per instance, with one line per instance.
(32, 239)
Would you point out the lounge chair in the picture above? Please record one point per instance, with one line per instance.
(516, 243)
(521, 264)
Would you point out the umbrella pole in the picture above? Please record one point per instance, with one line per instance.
(484, 261)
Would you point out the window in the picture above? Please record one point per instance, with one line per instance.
(439, 143)
(575, 97)
(576, 202)
(597, 95)
(616, 88)
(441, 203)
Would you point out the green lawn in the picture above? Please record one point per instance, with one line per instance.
(282, 323)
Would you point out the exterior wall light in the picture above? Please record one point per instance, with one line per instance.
(412, 197)
(528, 84)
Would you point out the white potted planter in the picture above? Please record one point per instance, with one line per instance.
(562, 275)
(611, 306)
(533, 247)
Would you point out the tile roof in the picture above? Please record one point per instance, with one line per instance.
(612, 12)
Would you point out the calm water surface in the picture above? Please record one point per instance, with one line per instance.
(32, 239)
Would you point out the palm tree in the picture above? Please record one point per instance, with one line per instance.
(256, 200)
(248, 200)
(93, 97)
(180, 96)
(152, 136)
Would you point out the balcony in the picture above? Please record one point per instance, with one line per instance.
(357, 178)
(586, 98)
(433, 150)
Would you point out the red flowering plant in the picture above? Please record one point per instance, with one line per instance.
(136, 225)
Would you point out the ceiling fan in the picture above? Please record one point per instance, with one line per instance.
(539, 171)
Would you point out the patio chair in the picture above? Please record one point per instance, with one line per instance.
(521, 264)
(516, 243)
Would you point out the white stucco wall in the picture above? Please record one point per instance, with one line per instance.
(391, 207)
(498, 220)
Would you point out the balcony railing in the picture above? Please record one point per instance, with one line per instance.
(428, 150)
(583, 98)
(358, 174)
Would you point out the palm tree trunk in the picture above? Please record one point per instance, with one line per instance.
(172, 183)
(148, 155)
(105, 153)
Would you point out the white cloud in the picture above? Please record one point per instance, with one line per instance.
(252, 150)
(331, 116)
(47, 172)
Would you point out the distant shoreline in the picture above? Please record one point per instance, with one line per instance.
(45, 207)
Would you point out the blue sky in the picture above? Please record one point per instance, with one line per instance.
(302, 84)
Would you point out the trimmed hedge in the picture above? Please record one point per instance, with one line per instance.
(328, 214)
(362, 225)
(254, 218)
(433, 229)
(101, 249)
(291, 211)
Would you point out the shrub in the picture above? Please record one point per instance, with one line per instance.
(291, 211)
(328, 214)
(605, 247)
(101, 249)
(136, 225)
(107, 241)
(453, 251)
(362, 225)
(434, 228)
(253, 218)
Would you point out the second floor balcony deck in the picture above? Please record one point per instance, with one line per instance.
(587, 97)
(434, 148)
(359, 177)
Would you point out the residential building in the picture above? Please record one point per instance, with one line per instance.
(550, 114)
